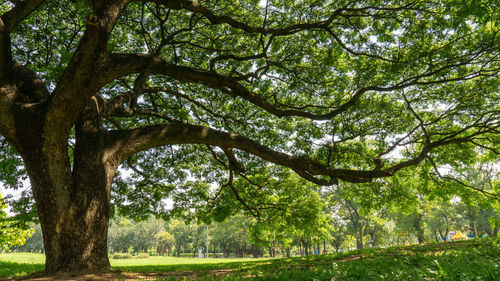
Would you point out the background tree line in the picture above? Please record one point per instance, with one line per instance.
(414, 207)
(347, 225)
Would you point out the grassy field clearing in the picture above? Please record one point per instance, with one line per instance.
(19, 264)
(467, 260)
(152, 260)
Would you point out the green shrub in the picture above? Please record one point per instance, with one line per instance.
(121, 256)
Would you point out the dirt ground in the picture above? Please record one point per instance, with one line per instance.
(189, 275)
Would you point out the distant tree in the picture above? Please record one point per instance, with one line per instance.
(231, 235)
(292, 210)
(475, 180)
(165, 242)
(411, 204)
(136, 236)
(144, 234)
(338, 234)
(444, 218)
(121, 235)
(479, 220)
(409, 225)
(358, 213)
(183, 234)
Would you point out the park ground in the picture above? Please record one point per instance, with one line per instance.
(463, 260)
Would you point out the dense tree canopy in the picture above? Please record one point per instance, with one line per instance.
(196, 99)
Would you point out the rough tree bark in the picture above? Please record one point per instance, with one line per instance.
(72, 202)
(71, 187)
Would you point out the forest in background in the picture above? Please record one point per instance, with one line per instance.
(347, 226)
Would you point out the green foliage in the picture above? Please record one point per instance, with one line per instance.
(125, 235)
(118, 256)
(165, 242)
(11, 165)
(12, 233)
(428, 43)
(34, 243)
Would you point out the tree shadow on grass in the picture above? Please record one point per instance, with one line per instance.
(10, 269)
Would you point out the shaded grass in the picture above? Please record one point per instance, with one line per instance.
(8, 269)
(19, 264)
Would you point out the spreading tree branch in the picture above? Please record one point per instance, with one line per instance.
(120, 65)
(125, 143)
(8, 21)
(79, 81)
(346, 11)
(21, 10)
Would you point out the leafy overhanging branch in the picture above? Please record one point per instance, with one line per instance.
(91, 67)
(21, 10)
(436, 176)
(8, 21)
(345, 11)
(79, 83)
(125, 143)
(119, 65)
(92, 52)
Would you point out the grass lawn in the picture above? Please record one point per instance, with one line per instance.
(465, 260)
(19, 264)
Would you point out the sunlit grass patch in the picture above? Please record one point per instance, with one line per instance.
(23, 258)
(162, 260)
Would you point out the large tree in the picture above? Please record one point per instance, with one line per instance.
(333, 90)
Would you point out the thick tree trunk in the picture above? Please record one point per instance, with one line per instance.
(79, 245)
(74, 218)
(72, 202)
